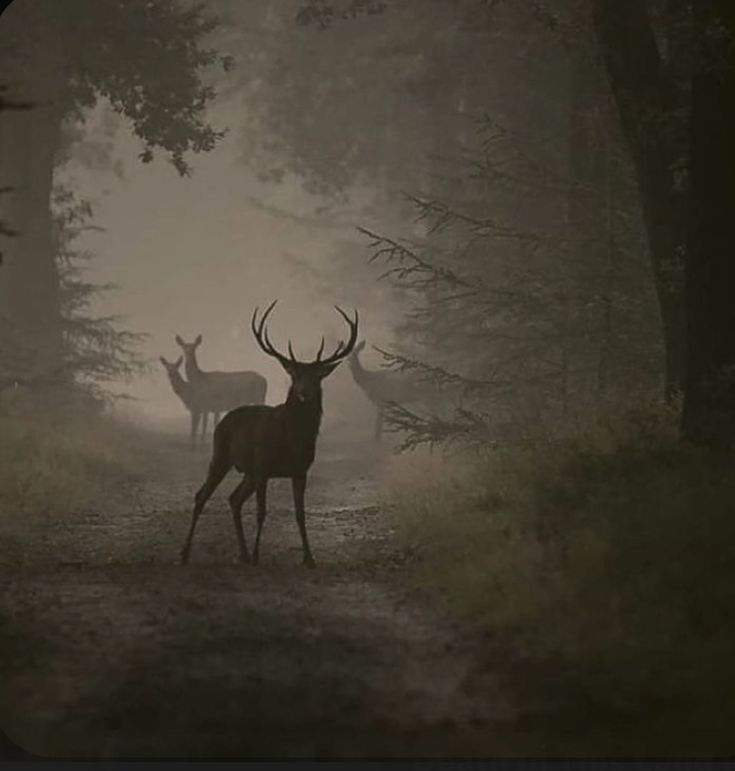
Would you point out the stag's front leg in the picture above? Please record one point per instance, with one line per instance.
(261, 487)
(298, 485)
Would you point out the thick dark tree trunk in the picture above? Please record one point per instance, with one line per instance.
(29, 281)
(588, 177)
(646, 104)
(29, 284)
(709, 406)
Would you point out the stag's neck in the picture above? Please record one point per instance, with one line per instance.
(306, 417)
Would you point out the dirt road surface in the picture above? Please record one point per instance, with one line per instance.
(111, 649)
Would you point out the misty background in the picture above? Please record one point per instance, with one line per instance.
(530, 205)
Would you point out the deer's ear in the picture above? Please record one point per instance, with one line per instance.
(179, 340)
(163, 361)
(327, 369)
(178, 361)
(198, 341)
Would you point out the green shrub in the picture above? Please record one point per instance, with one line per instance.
(608, 549)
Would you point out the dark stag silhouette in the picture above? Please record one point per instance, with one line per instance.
(217, 392)
(264, 442)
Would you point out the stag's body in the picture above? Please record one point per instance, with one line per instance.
(218, 392)
(382, 387)
(269, 442)
(264, 442)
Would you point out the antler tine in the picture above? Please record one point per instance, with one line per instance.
(290, 351)
(258, 331)
(261, 333)
(320, 351)
(272, 348)
(344, 349)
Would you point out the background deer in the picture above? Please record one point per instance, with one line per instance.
(383, 386)
(271, 442)
(187, 393)
(219, 392)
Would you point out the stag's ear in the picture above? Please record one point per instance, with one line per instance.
(198, 341)
(179, 341)
(178, 361)
(327, 369)
(163, 361)
(359, 347)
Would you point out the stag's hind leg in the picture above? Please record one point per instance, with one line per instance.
(218, 469)
(261, 488)
(239, 495)
(298, 485)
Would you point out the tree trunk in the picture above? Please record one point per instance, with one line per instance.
(646, 105)
(709, 406)
(29, 280)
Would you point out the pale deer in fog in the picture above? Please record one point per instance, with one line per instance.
(218, 392)
(264, 443)
(384, 386)
(188, 395)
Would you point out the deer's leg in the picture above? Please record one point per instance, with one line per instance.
(298, 485)
(194, 426)
(205, 420)
(239, 495)
(378, 422)
(261, 487)
(217, 472)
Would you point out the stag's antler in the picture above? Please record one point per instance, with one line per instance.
(260, 331)
(343, 349)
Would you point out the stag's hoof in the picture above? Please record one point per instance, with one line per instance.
(309, 561)
(244, 558)
(184, 557)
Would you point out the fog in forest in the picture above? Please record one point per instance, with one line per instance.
(366, 378)
(197, 255)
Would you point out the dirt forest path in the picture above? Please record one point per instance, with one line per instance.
(110, 648)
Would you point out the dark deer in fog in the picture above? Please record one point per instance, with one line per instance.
(384, 386)
(219, 392)
(264, 443)
(187, 393)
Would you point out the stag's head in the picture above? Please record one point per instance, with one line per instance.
(172, 367)
(306, 376)
(189, 349)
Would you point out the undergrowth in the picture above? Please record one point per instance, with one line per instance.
(605, 557)
(58, 454)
